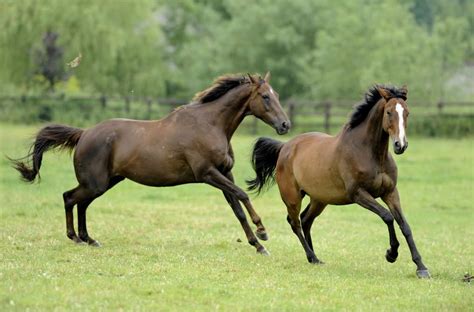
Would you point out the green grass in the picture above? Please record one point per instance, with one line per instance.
(176, 248)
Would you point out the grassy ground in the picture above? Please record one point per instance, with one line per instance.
(177, 249)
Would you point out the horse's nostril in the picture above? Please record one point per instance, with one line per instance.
(285, 125)
(397, 144)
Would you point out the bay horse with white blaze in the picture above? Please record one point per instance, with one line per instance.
(354, 166)
(190, 145)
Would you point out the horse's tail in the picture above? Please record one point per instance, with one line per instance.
(49, 137)
(264, 159)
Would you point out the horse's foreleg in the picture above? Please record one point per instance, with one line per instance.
(393, 202)
(233, 193)
(363, 198)
(261, 232)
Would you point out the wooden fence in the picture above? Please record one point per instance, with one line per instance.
(306, 115)
(326, 115)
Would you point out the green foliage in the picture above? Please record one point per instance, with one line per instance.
(382, 43)
(444, 125)
(317, 49)
(120, 42)
(176, 249)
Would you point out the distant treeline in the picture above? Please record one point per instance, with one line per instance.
(315, 49)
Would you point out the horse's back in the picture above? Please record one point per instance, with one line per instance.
(143, 151)
(107, 132)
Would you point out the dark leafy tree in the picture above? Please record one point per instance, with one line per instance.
(49, 60)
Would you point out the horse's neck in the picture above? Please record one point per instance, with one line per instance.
(372, 135)
(228, 112)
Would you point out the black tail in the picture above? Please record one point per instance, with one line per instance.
(49, 137)
(264, 160)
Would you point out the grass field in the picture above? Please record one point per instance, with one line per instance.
(177, 248)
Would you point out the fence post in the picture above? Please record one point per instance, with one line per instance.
(254, 126)
(103, 101)
(327, 117)
(440, 107)
(148, 107)
(291, 112)
(127, 104)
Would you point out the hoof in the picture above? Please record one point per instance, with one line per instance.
(315, 261)
(390, 257)
(262, 235)
(94, 243)
(78, 241)
(423, 273)
(263, 252)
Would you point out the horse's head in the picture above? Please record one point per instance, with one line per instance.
(395, 117)
(265, 105)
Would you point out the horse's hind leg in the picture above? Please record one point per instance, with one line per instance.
(313, 210)
(292, 199)
(81, 196)
(68, 207)
(260, 232)
(239, 213)
(88, 196)
(233, 194)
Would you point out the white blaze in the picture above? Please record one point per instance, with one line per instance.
(271, 90)
(401, 126)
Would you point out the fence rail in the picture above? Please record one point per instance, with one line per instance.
(305, 114)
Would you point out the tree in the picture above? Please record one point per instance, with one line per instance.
(49, 60)
(245, 37)
(373, 42)
(121, 42)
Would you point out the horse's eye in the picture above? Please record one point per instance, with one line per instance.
(389, 113)
(266, 98)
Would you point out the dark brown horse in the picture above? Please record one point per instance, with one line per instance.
(354, 166)
(190, 145)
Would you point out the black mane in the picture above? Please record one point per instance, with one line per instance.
(221, 86)
(372, 96)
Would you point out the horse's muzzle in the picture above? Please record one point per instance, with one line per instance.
(283, 127)
(398, 148)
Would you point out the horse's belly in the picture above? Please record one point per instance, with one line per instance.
(158, 173)
(323, 185)
(330, 195)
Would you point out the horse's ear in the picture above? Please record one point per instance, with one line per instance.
(267, 77)
(384, 93)
(252, 79)
(404, 90)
